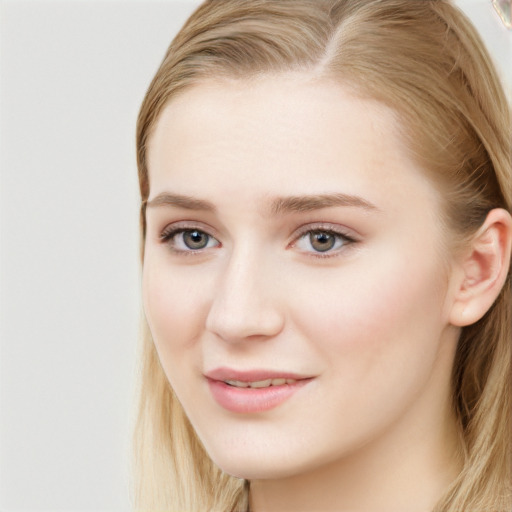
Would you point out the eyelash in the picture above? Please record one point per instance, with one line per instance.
(169, 234)
(338, 234)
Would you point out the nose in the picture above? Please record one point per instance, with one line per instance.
(246, 301)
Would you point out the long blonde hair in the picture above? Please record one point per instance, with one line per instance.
(425, 60)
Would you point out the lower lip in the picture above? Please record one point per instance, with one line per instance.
(247, 400)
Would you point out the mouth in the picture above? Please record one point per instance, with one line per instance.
(253, 391)
(259, 384)
(268, 377)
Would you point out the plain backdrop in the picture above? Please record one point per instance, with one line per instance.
(72, 76)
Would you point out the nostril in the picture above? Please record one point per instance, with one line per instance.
(245, 304)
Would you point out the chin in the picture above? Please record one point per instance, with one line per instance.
(261, 464)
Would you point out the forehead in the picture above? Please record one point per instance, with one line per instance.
(284, 133)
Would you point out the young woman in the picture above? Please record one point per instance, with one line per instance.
(326, 194)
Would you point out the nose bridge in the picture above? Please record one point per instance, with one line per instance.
(245, 303)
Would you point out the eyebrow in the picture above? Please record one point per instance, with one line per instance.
(181, 201)
(316, 202)
(279, 205)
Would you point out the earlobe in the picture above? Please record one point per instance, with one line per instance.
(484, 269)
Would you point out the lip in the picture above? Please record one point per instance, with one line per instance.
(252, 400)
(224, 373)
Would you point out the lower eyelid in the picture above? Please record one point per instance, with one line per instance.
(344, 238)
(167, 238)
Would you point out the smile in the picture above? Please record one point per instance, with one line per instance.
(253, 391)
(260, 383)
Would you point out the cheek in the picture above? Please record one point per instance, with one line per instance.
(377, 312)
(174, 304)
(380, 343)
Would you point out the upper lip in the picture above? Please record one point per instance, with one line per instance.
(256, 375)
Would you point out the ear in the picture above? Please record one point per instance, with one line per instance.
(483, 269)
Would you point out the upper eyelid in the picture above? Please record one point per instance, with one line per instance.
(346, 238)
(348, 235)
(334, 228)
(187, 225)
(165, 238)
(328, 227)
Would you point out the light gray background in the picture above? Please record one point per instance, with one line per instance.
(73, 73)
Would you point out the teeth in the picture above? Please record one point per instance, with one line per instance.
(260, 383)
(237, 383)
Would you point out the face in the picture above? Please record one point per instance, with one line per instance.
(294, 279)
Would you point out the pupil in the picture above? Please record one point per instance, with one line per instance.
(195, 239)
(322, 241)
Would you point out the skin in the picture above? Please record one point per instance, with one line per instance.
(369, 321)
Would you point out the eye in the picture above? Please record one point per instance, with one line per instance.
(188, 240)
(322, 241)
